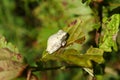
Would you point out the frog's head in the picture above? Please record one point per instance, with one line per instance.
(62, 34)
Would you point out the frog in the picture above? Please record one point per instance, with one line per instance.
(56, 41)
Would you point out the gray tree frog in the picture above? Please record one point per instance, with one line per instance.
(56, 41)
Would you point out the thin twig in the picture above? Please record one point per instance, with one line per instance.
(34, 69)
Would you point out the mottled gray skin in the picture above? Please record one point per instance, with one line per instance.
(56, 41)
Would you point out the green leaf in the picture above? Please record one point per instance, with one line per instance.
(93, 54)
(72, 56)
(78, 30)
(109, 32)
(76, 34)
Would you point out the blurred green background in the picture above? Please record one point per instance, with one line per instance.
(28, 24)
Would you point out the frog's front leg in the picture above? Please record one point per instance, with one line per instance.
(63, 43)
